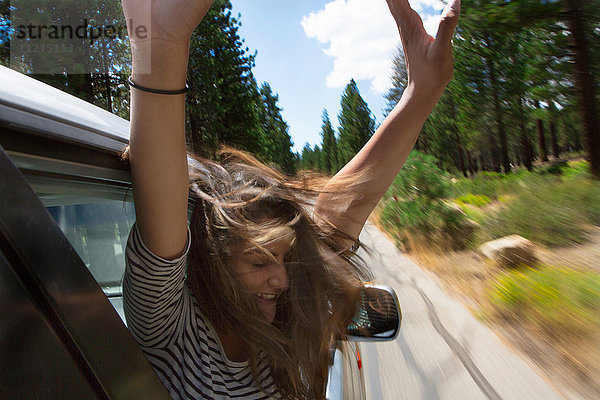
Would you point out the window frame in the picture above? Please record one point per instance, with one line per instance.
(36, 143)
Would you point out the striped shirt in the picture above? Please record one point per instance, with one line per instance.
(178, 340)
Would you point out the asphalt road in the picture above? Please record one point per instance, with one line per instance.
(442, 351)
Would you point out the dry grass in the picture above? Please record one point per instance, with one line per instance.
(568, 358)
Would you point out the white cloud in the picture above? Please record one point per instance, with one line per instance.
(362, 36)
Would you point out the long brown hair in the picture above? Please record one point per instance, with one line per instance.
(239, 199)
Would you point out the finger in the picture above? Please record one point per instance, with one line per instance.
(448, 22)
(400, 9)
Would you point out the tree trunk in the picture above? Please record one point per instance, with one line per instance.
(108, 93)
(106, 79)
(541, 135)
(89, 88)
(553, 112)
(554, 138)
(585, 85)
(459, 145)
(469, 163)
(526, 147)
(499, 122)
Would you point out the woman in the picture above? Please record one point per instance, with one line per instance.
(268, 287)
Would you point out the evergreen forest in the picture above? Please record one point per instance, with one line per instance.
(525, 89)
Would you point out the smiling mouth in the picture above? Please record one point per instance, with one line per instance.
(269, 297)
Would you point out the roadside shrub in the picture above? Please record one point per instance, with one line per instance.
(489, 184)
(575, 168)
(472, 213)
(415, 210)
(420, 178)
(550, 211)
(478, 200)
(555, 168)
(546, 208)
(559, 301)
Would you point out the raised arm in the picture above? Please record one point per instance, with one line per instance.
(159, 32)
(430, 66)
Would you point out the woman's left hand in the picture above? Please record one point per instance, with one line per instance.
(429, 60)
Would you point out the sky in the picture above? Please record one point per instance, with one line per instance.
(308, 50)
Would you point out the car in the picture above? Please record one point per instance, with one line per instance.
(65, 215)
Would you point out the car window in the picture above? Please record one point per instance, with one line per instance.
(98, 230)
(96, 219)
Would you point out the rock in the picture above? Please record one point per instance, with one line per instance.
(510, 251)
(463, 233)
(468, 226)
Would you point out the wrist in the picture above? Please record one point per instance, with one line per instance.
(426, 89)
(425, 96)
(159, 65)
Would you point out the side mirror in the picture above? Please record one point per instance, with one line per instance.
(378, 317)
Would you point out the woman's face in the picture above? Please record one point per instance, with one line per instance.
(265, 278)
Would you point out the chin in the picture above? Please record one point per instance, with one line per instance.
(269, 315)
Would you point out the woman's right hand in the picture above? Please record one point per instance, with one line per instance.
(167, 21)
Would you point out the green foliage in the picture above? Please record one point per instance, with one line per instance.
(509, 56)
(225, 104)
(420, 177)
(224, 101)
(399, 81)
(310, 158)
(94, 71)
(329, 146)
(552, 209)
(557, 300)
(356, 124)
(318, 158)
(414, 208)
(476, 200)
(575, 168)
(472, 213)
(489, 184)
(549, 210)
(356, 128)
(277, 143)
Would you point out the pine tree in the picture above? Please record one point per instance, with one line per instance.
(356, 124)
(307, 157)
(224, 102)
(329, 146)
(585, 80)
(399, 80)
(92, 70)
(277, 143)
(317, 160)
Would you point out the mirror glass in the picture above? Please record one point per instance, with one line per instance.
(378, 316)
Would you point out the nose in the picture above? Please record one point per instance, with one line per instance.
(279, 277)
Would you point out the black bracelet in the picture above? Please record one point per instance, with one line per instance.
(158, 91)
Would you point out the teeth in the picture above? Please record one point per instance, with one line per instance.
(266, 296)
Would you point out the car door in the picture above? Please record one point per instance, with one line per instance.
(60, 335)
(64, 219)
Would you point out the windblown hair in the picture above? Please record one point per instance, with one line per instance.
(242, 200)
(239, 200)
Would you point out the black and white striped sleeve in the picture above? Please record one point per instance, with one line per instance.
(155, 295)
